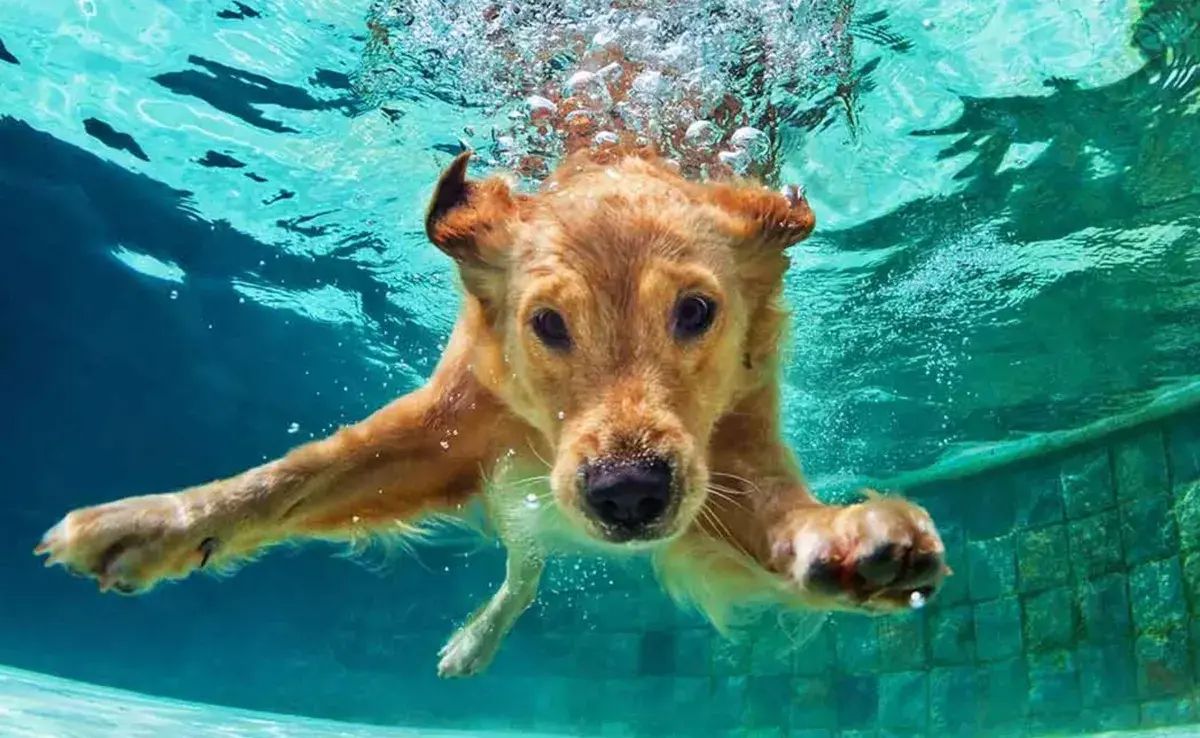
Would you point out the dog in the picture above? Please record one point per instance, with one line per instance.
(611, 385)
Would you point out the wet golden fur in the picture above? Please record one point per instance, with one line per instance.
(611, 242)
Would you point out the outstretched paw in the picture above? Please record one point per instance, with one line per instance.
(130, 545)
(877, 556)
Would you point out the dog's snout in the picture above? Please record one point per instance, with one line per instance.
(628, 496)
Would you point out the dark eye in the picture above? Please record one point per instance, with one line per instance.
(551, 329)
(693, 316)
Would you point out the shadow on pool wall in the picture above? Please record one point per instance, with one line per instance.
(110, 388)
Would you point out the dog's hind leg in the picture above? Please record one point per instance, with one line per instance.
(423, 454)
(473, 646)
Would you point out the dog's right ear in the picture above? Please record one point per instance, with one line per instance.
(470, 220)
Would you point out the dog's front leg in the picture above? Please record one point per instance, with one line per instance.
(877, 555)
(471, 649)
(423, 453)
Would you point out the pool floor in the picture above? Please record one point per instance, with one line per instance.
(35, 705)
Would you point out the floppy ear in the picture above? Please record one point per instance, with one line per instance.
(470, 222)
(770, 220)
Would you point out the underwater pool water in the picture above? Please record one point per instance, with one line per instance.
(210, 215)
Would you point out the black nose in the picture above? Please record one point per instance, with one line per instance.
(628, 496)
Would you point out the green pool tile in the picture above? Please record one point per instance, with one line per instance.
(1039, 496)
(771, 652)
(1185, 450)
(1104, 610)
(816, 656)
(729, 701)
(991, 568)
(812, 705)
(1163, 663)
(768, 701)
(1050, 619)
(1141, 467)
(1004, 693)
(1168, 713)
(986, 510)
(901, 641)
(1053, 683)
(953, 700)
(857, 699)
(773, 731)
(1096, 544)
(730, 656)
(1087, 482)
(1157, 593)
(954, 589)
(904, 700)
(1042, 558)
(1191, 580)
(856, 643)
(1059, 724)
(1187, 513)
(1111, 718)
(951, 635)
(688, 691)
(998, 629)
(1148, 528)
(693, 652)
(809, 733)
(1107, 674)
(609, 654)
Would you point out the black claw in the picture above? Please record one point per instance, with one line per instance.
(207, 548)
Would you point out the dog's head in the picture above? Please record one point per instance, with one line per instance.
(621, 311)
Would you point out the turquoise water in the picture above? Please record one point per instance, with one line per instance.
(211, 216)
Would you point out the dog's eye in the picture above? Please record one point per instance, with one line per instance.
(693, 316)
(551, 329)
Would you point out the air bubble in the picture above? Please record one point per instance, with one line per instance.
(531, 501)
(751, 140)
(445, 445)
(293, 428)
(702, 134)
(561, 415)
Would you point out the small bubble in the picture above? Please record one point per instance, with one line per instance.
(293, 428)
(174, 294)
(561, 415)
(531, 501)
(927, 23)
(445, 445)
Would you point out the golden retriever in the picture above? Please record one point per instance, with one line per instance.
(611, 384)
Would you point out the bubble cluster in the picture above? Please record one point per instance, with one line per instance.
(697, 81)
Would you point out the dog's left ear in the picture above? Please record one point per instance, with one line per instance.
(771, 220)
(470, 222)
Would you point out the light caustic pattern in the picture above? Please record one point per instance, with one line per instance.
(698, 80)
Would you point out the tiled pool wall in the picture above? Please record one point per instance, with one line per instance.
(1071, 610)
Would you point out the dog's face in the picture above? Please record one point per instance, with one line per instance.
(621, 312)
